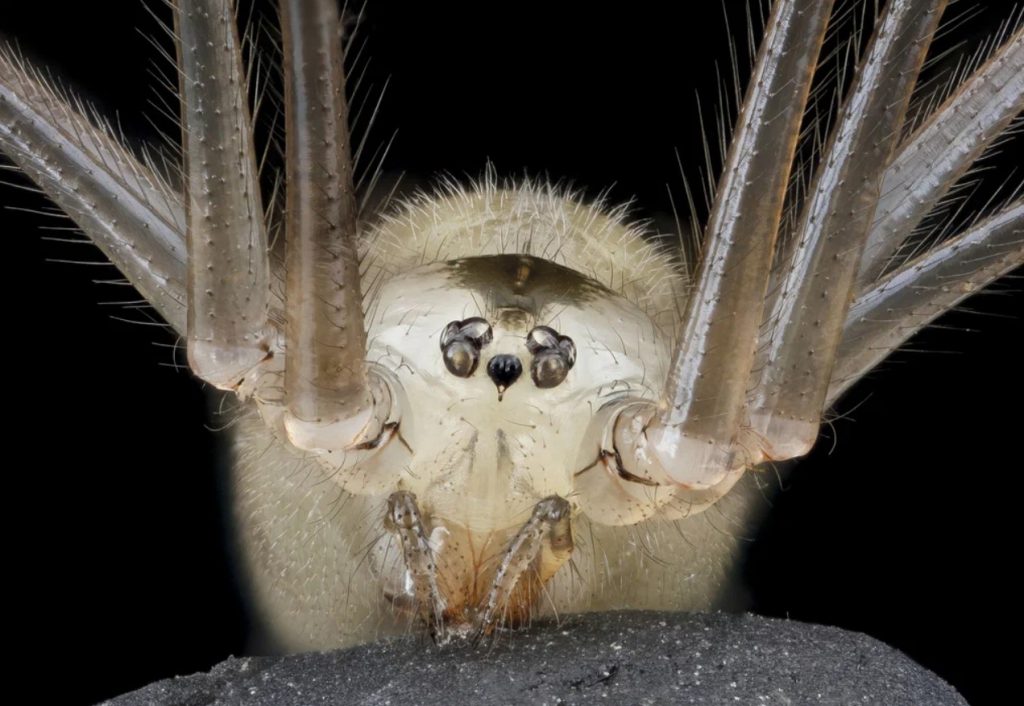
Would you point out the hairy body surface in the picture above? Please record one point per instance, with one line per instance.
(478, 464)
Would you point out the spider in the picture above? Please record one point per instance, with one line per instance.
(555, 166)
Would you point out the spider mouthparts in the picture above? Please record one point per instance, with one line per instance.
(465, 584)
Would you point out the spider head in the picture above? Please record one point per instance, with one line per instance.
(499, 365)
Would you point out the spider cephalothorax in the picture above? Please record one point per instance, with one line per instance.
(477, 387)
(496, 361)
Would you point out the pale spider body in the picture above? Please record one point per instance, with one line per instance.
(480, 464)
(335, 594)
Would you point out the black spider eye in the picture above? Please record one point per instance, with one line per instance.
(461, 342)
(553, 356)
(541, 337)
(473, 329)
(549, 368)
(568, 349)
(461, 358)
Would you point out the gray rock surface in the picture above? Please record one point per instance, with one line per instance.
(612, 658)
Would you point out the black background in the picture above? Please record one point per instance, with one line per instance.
(902, 523)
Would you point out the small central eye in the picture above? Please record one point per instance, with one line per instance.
(504, 370)
(461, 342)
(553, 356)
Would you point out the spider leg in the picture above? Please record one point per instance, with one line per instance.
(228, 265)
(727, 406)
(123, 205)
(691, 440)
(905, 301)
(330, 401)
(941, 150)
(817, 282)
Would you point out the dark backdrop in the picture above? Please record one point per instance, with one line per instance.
(900, 524)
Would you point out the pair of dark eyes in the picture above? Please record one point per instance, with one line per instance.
(553, 354)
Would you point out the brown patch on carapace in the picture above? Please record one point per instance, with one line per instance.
(524, 282)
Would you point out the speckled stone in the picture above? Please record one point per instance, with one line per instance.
(612, 658)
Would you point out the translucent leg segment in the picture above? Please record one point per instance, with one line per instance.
(228, 283)
(405, 521)
(692, 438)
(807, 314)
(942, 149)
(548, 530)
(129, 212)
(329, 398)
(905, 301)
